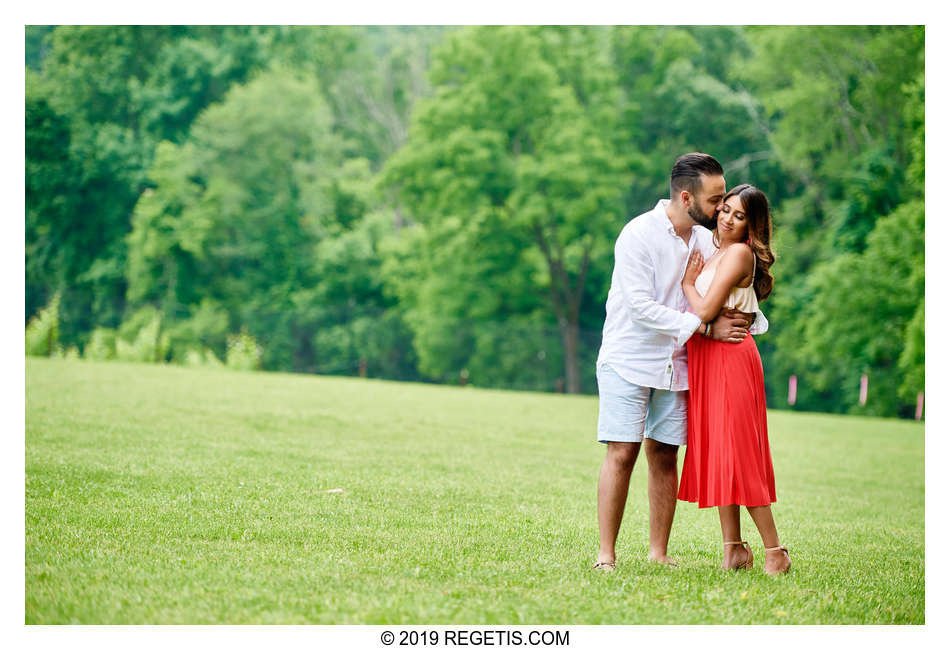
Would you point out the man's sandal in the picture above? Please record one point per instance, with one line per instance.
(784, 550)
(748, 563)
(604, 566)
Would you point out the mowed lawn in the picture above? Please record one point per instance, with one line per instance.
(162, 494)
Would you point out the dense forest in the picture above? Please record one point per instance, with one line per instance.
(441, 204)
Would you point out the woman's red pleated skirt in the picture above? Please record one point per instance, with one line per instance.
(727, 443)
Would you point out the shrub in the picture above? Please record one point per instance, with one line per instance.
(72, 352)
(205, 329)
(101, 345)
(201, 357)
(42, 332)
(149, 344)
(243, 352)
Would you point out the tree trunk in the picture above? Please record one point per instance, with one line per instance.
(567, 303)
(570, 332)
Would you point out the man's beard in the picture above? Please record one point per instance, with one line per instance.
(701, 217)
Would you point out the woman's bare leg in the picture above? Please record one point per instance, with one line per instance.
(733, 555)
(775, 561)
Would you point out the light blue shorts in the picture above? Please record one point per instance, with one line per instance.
(629, 412)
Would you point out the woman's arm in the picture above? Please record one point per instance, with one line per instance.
(736, 264)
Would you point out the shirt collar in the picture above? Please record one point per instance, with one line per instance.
(660, 209)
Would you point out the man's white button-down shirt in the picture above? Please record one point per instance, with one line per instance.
(648, 320)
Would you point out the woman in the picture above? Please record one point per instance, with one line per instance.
(728, 463)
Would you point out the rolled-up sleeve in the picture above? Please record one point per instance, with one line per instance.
(636, 277)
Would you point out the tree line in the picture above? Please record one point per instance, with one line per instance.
(430, 203)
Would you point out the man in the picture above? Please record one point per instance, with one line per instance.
(641, 368)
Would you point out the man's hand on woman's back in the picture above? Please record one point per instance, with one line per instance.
(731, 326)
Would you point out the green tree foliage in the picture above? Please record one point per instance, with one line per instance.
(195, 70)
(55, 245)
(236, 212)
(105, 97)
(37, 45)
(911, 362)
(354, 321)
(114, 105)
(371, 78)
(90, 76)
(845, 122)
(857, 92)
(423, 202)
(680, 95)
(514, 183)
(864, 314)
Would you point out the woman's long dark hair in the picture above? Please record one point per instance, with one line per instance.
(759, 230)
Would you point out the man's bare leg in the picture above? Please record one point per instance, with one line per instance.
(612, 494)
(662, 486)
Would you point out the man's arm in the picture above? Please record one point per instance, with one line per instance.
(635, 274)
(731, 326)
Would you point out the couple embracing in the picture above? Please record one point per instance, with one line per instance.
(677, 364)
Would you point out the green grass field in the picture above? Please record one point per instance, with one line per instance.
(161, 494)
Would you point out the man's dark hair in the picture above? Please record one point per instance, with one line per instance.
(688, 168)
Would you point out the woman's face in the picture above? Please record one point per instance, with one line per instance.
(732, 224)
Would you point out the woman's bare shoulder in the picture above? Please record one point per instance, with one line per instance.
(740, 252)
(741, 260)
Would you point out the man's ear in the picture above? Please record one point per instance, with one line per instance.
(685, 197)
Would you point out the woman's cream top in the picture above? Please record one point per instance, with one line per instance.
(741, 298)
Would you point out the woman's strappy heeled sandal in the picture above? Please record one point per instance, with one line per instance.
(748, 563)
(787, 556)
